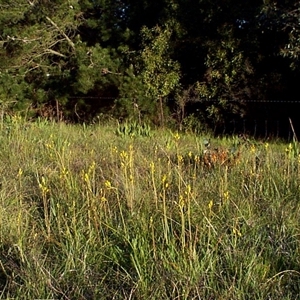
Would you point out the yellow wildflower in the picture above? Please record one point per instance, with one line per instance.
(107, 184)
(176, 136)
(181, 202)
(226, 196)
(236, 231)
(20, 172)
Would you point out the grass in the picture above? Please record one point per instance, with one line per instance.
(87, 214)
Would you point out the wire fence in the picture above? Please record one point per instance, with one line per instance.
(265, 118)
(259, 128)
(197, 100)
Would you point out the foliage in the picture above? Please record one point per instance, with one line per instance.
(48, 59)
(133, 129)
(226, 78)
(160, 74)
(141, 59)
(284, 17)
(151, 76)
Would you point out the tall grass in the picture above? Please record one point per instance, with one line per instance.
(87, 214)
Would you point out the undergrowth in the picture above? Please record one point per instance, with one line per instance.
(88, 214)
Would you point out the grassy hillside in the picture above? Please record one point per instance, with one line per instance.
(88, 214)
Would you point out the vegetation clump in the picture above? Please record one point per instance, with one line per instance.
(230, 66)
(133, 129)
(88, 214)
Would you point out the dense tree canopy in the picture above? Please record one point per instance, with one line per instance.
(149, 59)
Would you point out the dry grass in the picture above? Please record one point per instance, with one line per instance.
(87, 214)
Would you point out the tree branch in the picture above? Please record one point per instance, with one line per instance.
(105, 71)
(55, 53)
(62, 32)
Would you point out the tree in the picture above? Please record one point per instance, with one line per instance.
(37, 32)
(43, 46)
(227, 77)
(284, 17)
(153, 75)
(132, 57)
(214, 52)
(159, 72)
(231, 51)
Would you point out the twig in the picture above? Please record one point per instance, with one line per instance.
(62, 32)
(294, 133)
(105, 71)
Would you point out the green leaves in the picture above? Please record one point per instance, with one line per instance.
(43, 47)
(152, 75)
(226, 76)
(141, 53)
(160, 73)
(133, 129)
(291, 49)
(39, 32)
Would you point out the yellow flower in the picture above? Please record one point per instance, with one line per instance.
(124, 156)
(197, 159)
(43, 186)
(188, 189)
(226, 195)
(164, 181)
(20, 172)
(181, 202)
(86, 177)
(179, 158)
(151, 220)
(289, 148)
(92, 167)
(164, 178)
(107, 184)
(176, 136)
(210, 204)
(114, 149)
(103, 199)
(152, 167)
(131, 178)
(64, 173)
(236, 231)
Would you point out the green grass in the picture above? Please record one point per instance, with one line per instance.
(88, 214)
